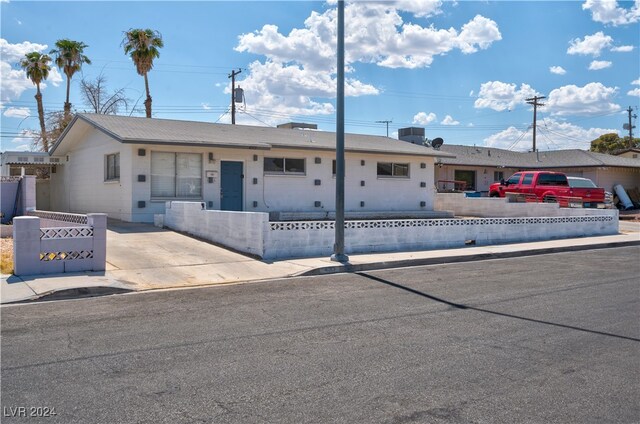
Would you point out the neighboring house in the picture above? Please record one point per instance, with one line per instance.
(481, 166)
(15, 164)
(39, 164)
(128, 167)
(633, 153)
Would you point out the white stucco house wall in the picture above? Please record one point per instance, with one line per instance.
(129, 167)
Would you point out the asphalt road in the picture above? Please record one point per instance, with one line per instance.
(543, 339)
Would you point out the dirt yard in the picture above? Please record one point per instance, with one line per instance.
(6, 255)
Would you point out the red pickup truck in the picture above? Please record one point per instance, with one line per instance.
(547, 187)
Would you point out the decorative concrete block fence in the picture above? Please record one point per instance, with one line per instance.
(73, 243)
(251, 232)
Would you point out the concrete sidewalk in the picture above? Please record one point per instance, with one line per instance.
(142, 257)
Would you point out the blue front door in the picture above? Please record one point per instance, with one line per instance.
(231, 186)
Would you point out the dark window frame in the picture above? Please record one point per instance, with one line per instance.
(112, 167)
(284, 168)
(393, 168)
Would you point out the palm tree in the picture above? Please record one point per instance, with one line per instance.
(36, 65)
(70, 58)
(142, 45)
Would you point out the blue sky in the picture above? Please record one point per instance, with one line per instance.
(459, 69)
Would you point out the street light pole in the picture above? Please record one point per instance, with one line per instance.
(338, 246)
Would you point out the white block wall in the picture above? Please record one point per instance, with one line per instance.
(500, 207)
(242, 231)
(253, 233)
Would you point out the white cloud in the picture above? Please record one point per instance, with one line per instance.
(596, 65)
(14, 81)
(17, 112)
(609, 12)
(501, 96)
(634, 92)
(636, 82)
(422, 118)
(205, 106)
(558, 70)
(592, 99)
(511, 138)
(419, 8)
(299, 67)
(375, 33)
(448, 120)
(480, 32)
(14, 52)
(622, 49)
(591, 45)
(551, 134)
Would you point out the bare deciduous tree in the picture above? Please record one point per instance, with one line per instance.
(97, 97)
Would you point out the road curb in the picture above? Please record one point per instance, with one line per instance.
(347, 268)
(73, 293)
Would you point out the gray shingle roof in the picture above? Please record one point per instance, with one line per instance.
(172, 132)
(489, 156)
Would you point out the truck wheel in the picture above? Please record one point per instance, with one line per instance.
(550, 199)
(494, 194)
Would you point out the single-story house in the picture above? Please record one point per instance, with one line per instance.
(129, 167)
(633, 152)
(39, 164)
(479, 167)
(15, 164)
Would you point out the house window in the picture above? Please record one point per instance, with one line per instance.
(469, 177)
(112, 167)
(176, 175)
(391, 169)
(498, 175)
(287, 166)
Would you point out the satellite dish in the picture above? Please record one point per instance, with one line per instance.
(436, 143)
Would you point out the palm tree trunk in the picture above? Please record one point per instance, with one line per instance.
(67, 105)
(147, 103)
(43, 129)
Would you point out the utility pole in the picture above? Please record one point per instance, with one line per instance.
(338, 246)
(385, 122)
(534, 101)
(232, 75)
(631, 127)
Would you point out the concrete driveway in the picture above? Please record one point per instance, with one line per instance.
(149, 257)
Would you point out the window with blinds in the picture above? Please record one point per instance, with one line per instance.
(176, 175)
